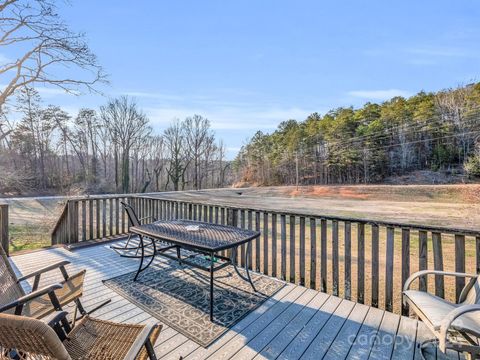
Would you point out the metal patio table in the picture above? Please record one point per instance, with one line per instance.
(209, 240)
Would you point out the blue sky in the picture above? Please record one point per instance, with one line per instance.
(248, 65)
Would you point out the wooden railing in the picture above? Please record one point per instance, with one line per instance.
(363, 260)
(4, 234)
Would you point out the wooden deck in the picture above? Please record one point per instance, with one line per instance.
(296, 323)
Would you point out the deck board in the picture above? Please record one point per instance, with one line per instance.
(295, 323)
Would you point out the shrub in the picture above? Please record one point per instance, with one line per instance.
(472, 166)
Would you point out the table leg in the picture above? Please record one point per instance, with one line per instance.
(247, 271)
(212, 257)
(142, 258)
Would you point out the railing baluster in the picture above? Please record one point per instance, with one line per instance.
(389, 269)
(97, 217)
(110, 219)
(250, 227)
(477, 254)
(348, 259)
(323, 255)
(72, 231)
(438, 263)
(313, 253)
(283, 235)
(422, 258)
(242, 225)
(361, 263)
(265, 243)
(375, 265)
(292, 249)
(210, 214)
(257, 241)
(90, 219)
(302, 251)
(4, 232)
(459, 264)
(274, 245)
(104, 218)
(335, 265)
(124, 220)
(117, 216)
(84, 220)
(405, 262)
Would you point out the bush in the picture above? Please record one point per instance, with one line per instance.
(472, 166)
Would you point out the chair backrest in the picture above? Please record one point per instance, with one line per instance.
(30, 339)
(133, 219)
(471, 293)
(10, 290)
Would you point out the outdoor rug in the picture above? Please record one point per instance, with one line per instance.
(179, 296)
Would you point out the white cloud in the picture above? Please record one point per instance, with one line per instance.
(380, 95)
(440, 52)
(50, 92)
(150, 95)
(228, 117)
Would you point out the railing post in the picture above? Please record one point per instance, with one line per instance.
(72, 223)
(4, 228)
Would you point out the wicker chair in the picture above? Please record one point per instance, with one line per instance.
(39, 305)
(455, 326)
(91, 339)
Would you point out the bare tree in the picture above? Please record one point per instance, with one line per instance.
(127, 126)
(199, 139)
(175, 142)
(158, 158)
(43, 45)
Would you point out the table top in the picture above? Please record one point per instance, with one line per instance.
(209, 237)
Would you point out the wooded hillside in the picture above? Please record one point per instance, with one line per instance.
(435, 131)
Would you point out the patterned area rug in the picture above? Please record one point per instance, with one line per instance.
(180, 297)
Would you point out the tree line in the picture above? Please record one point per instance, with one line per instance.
(111, 149)
(428, 131)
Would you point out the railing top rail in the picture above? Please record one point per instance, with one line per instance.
(60, 219)
(311, 214)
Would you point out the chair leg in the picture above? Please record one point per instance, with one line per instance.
(150, 350)
(179, 255)
(84, 312)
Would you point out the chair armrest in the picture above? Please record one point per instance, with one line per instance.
(140, 341)
(55, 318)
(416, 275)
(31, 296)
(43, 270)
(450, 318)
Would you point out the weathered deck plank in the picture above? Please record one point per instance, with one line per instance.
(294, 323)
(281, 341)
